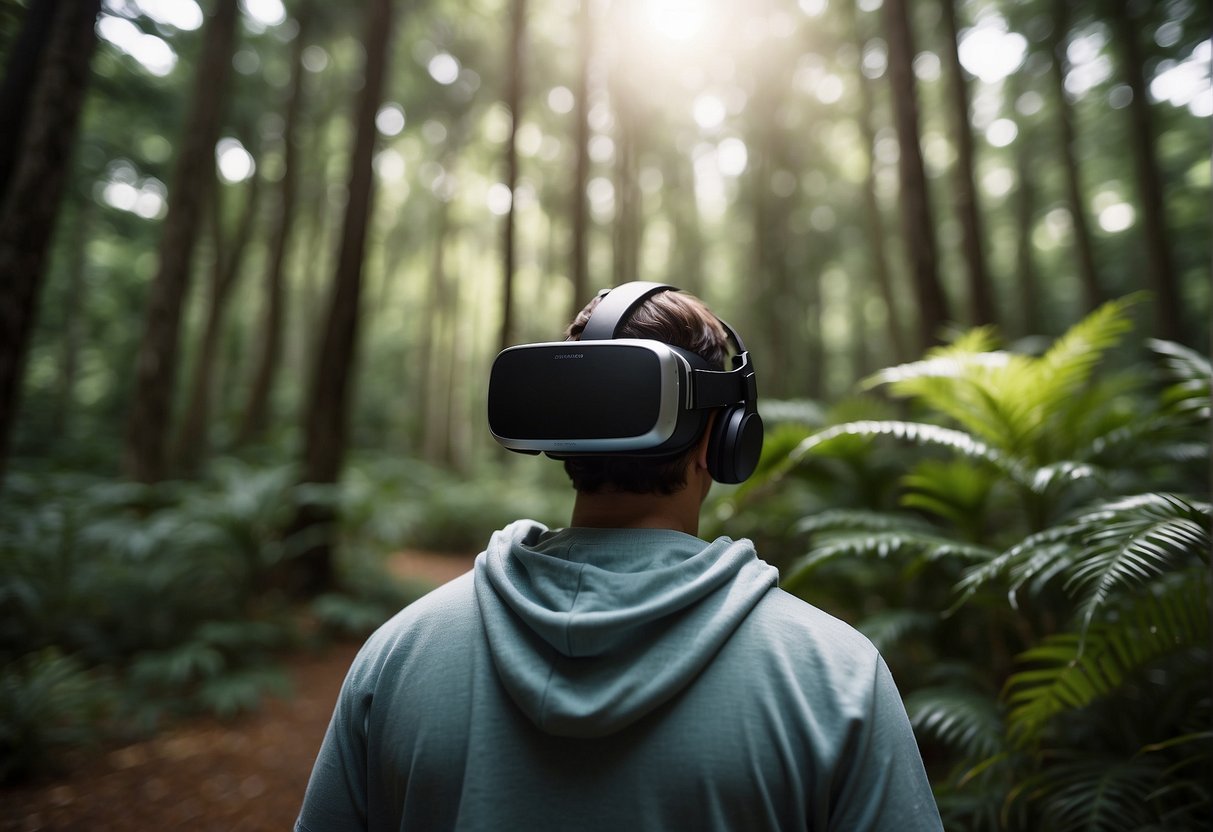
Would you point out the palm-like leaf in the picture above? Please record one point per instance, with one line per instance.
(1131, 541)
(1009, 399)
(1037, 480)
(1119, 545)
(1094, 794)
(1193, 376)
(887, 628)
(1071, 670)
(913, 544)
(965, 720)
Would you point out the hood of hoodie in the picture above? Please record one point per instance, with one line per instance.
(591, 629)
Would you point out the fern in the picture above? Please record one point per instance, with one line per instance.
(966, 721)
(1071, 670)
(1093, 794)
(887, 628)
(1010, 399)
(919, 545)
(1193, 377)
(1130, 541)
(1118, 545)
(918, 433)
(840, 520)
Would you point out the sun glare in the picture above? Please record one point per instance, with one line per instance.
(676, 19)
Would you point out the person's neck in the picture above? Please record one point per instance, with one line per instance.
(623, 510)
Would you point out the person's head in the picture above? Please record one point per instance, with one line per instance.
(674, 318)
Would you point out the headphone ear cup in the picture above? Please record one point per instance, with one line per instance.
(736, 444)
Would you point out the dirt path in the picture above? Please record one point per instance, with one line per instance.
(246, 775)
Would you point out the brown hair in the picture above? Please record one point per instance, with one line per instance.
(674, 318)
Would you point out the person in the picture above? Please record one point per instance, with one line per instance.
(620, 674)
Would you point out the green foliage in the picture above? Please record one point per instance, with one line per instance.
(406, 504)
(1068, 671)
(1044, 547)
(161, 591)
(49, 702)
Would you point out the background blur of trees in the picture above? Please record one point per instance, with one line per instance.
(756, 153)
(253, 250)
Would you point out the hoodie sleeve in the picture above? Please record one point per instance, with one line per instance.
(882, 783)
(335, 799)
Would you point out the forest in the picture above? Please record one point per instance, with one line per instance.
(256, 257)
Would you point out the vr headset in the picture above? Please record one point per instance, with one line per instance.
(625, 396)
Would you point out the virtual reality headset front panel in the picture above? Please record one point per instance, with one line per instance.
(625, 396)
(586, 397)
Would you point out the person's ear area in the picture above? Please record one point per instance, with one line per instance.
(701, 449)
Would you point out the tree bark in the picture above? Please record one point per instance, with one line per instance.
(191, 186)
(1168, 317)
(1092, 294)
(874, 226)
(435, 428)
(686, 260)
(20, 79)
(981, 291)
(1026, 278)
(581, 170)
(30, 206)
(73, 325)
(192, 442)
(256, 414)
(326, 413)
(627, 229)
(514, 75)
(918, 228)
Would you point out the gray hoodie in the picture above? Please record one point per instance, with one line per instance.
(609, 679)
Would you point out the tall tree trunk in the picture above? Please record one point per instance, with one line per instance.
(514, 73)
(1026, 277)
(581, 170)
(918, 229)
(1168, 317)
(627, 229)
(192, 442)
(256, 413)
(20, 79)
(73, 325)
(686, 259)
(819, 359)
(191, 186)
(434, 416)
(31, 204)
(874, 226)
(327, 407)
(1091, 292)
(981, 291)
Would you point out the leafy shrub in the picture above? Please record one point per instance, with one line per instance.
(162, 588)
(1039, 577)
(48, 703)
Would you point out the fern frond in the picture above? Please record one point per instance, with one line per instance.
(887, 628)
(1093, 794)
(968, 382)
(916, 432)
(1071, 670)
(886, 544)
(1115, 545)
(964, 720)
(1130, 541)
(1067, 364)
(843, 519)
(1183, 364)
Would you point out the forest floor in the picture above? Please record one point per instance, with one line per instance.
(242, 775)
